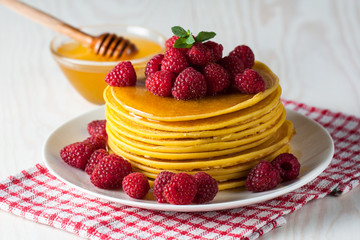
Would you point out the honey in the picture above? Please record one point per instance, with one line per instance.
(86, 71)
(77, 51)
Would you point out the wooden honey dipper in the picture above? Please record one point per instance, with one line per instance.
(106, 44)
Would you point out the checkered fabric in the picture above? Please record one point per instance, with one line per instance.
(37, 195)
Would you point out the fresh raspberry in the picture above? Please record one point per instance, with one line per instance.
(249, 82)
(122, 75)
(288, 166)
(245, 54)
(189, 84)
(217, 78)
(174, 61)
(77, 154)
(233, 65)
(153, 65)
(97, 141)
(97, 127)
(161, 180)
(216, 50)
(181, 189)
(94, 159)
(207, 187)
(136, 185)
(110, 172)
(264, 176)
(199, 55)
(170, 42)
(160, 83)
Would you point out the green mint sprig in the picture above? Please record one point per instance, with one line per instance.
(186, 38)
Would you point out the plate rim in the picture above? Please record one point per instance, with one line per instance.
(153, 205)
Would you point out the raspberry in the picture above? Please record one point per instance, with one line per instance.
(122, 75)
(249, 82)
(199, 55)
(110, 171)
(233, 65)
(245, 54)
(136, 185)
(77, 154)
(160, 83)
(170, 42)
(94, 159)
(153, 65)
(264, 176)
(97, 127)
(207, 187)
(97, 142)
(181, 189)
(161, 180)
(174, 61)
(288, 166)
(217, 78)
(216, 50)
(189, 84)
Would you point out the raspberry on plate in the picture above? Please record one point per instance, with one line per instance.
(207, 187)
(122, 75)
(174, 61)
(216, 50)
(288, 166)
(97, 127)
(97, 141)
(136, 185)
(199, 55)
(161, 180)
(77, 154)
(110, 172)
(245, 54)
(153, 65)
(189, 84)
(217, 78)
(249, 82)
(160, 83)
(94, 159)
(264, 176)
(181, 189)
(233, 65)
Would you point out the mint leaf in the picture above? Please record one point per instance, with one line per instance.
(190, 39)
(181, 43)
(186, 38)
(179, 31)
(203, 36)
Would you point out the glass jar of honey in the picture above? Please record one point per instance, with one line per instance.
(86, 71)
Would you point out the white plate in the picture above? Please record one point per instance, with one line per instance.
(312, 144)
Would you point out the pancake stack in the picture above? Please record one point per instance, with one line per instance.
(223, 135)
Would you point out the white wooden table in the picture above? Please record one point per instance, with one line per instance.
(313, 46)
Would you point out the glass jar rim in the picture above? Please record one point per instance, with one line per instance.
(106, 63)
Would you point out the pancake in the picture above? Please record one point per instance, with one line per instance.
(234, 142)
(138, 100)
(280, 138)
(196, 125)
(216, 171)
(224, 135)
(227, 140)
(236, 177)
(139, 132)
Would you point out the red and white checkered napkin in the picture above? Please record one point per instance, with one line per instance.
(37, 195)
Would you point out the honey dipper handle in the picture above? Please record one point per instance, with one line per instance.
(48, 21)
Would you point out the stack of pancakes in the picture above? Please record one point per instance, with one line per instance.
(224, 135)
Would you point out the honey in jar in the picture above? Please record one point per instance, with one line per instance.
(86, 71)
